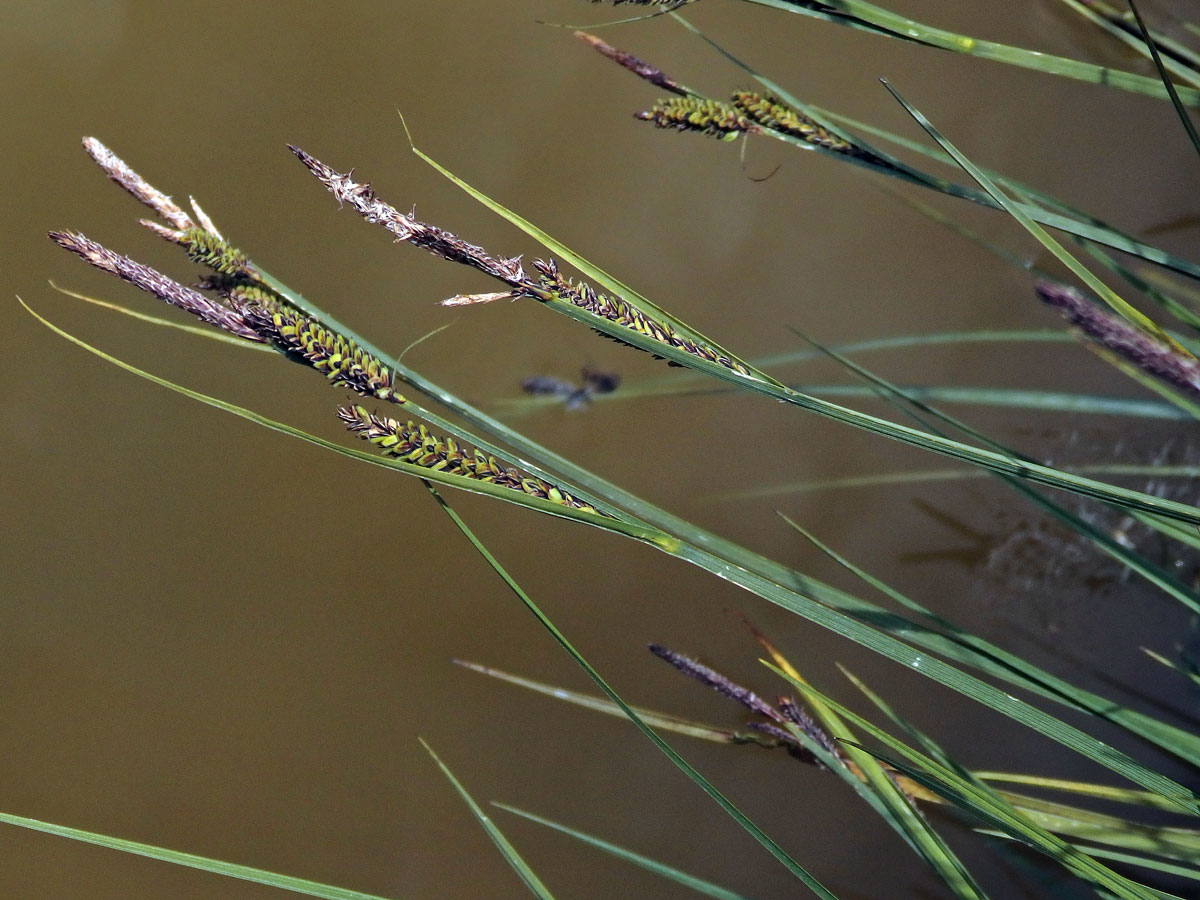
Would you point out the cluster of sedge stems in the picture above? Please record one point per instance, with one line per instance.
(235, 299)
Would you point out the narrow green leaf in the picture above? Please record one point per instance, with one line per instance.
(680, 763)
(1004, 398)
(1011, 668)
(1164, 580)
(1081, 788)
(987, 806)
(917, 476)
(660, 720)
(1120, 30)
(639, 532)
(1181, 844)
(902, 815)
(1150, 383)
(191, 861)
(1187, 672)
(1145, 862)
(691, 882)
(931, 746)
(1065, 219)
(869, 17)
(204, 331)
(1172, 91)
(589, 270)
(1177, 308)
(507, 850)
(1098, 287)
(868, 779)
(756, 573)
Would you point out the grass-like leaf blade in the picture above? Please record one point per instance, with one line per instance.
(875, 19)
(768, 843)
(192, 861)
(507, 850)
(986, 805)
(691, 882)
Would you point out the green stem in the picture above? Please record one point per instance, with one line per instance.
(869, 17)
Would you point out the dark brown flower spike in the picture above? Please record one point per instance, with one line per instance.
(1151, 355)
(227, 318)
(405, 227)
(414, 443)
(794, 713)
(717, 682)
(638, 67)
(786, 712)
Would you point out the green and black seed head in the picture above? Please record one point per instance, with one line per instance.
(337, 357)
(711, 117)
(414, 443)
(622, 312)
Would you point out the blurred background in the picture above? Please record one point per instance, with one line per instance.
(219, 640)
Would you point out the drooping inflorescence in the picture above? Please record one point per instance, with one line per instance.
(414, 443)
(621, 312)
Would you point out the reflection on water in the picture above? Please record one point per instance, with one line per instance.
(573, 396)
(1035, 572)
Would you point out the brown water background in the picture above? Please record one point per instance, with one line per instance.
(219, 640)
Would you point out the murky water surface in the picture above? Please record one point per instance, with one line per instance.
(217, 639)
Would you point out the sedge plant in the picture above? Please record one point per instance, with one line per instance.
(898, 773)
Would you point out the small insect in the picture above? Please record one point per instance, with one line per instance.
(574, 396)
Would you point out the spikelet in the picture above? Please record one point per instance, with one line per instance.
(120, 172)
(436, 240)
(226, 317)
(770, 112)
(238, 291)
(212, 250)
(414, 443)
(1115, 334)
(638, 67)
(718, 682)
(621, 312)
(340, 359)
(711, 117)
(788, 711)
